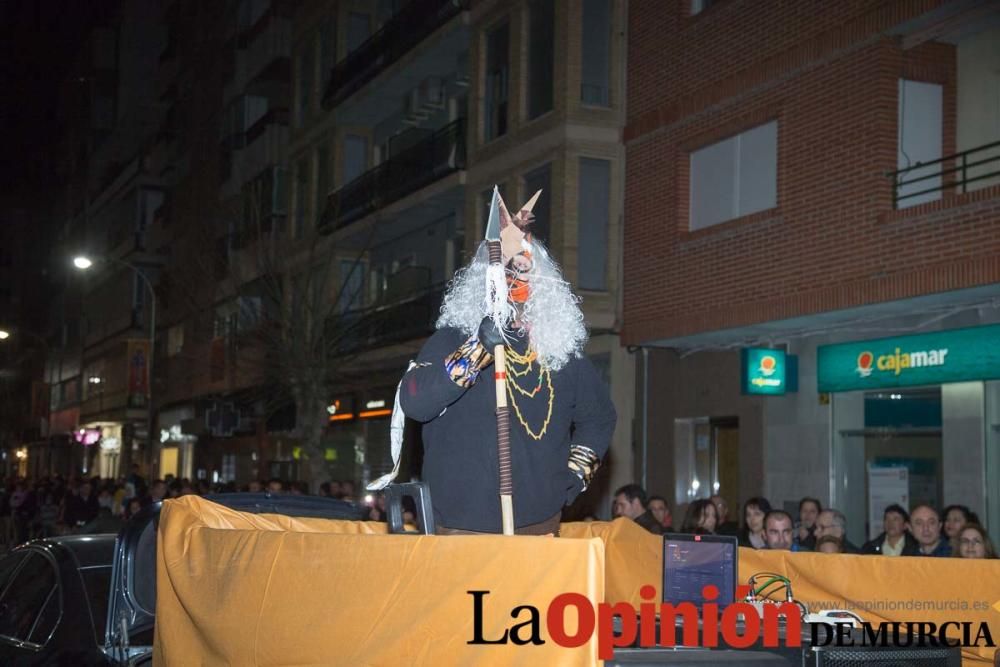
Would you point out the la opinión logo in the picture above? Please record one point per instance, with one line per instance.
(740, 625)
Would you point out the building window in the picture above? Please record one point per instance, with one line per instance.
(358, 30)
(249, 12)
(595, 74)
(327, 49)
(175, 340)
(376, 284)
(249, 312)
(541, 37)
(594, 209)
(322, 179)
(138, 293)
(497, 67)
(698, 6)
(921, 132)
(355, 157)
(535, 180)
(734, 177)
(306, 71)
(228, 472)
(279, 193)
(352, 281)
(300, 195)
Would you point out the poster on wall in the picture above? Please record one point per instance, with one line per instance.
(886, 486)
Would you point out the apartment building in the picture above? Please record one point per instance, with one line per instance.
(101, 322)
(811, 208)
(225, 78)
(404, 117)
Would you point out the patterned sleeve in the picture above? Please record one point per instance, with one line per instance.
(583, 462)
(447, 366)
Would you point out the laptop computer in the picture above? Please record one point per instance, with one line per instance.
(692, 562)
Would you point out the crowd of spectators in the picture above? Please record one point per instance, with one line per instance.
(56, 505)
(921, 531)
(60, 506)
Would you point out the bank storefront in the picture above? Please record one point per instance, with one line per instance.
(914, 419)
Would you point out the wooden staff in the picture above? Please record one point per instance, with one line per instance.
(503, 422)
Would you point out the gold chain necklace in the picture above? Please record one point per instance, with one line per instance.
(528, 365)
(512, 385)
(524, 360)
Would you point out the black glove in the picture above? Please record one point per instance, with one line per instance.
(573, 489)
(489, 335)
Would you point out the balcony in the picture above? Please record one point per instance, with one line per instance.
(245, 154)
(432, 159)
(414, 22)
(279, 11)
(265, 56)
(962, 172)
(407, 319)
(272, 117)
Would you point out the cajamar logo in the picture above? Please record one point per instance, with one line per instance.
(768, 364)
(865, 360)
(899, 361)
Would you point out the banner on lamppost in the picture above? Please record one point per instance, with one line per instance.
(138, 373)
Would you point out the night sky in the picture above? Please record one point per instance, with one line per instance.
(39, 40)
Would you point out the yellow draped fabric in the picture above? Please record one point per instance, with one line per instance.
(877, 588)
(243, 589)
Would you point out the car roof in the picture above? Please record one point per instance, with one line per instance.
(89, 550)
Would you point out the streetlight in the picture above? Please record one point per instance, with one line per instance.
(4, 334)
(83, 263)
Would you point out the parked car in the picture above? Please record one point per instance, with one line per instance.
(54, 601)
(85, 600)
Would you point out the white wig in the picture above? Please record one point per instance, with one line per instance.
(551, 316)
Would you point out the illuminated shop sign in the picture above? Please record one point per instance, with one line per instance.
(341, 409)
(958, 355)
(175, 434)
(377, 406)
(87, 436)
(768, 372)
(344, 408)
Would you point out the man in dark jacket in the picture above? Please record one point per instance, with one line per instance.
(561, 416)
(896, 540)
(925, 524)
(630, 502)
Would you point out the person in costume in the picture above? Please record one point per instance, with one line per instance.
(561, 416)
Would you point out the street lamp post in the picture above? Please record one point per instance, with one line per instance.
(83, 263)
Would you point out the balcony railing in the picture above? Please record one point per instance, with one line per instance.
(404, 320)
(276, 116)
(953, 171)
(279, 9)
(420, 165)
(413, 23)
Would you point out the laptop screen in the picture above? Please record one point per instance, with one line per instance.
(691, 562)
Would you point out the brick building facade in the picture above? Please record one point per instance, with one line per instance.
(763, 210)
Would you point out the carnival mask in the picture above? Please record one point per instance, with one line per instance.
(515, 242)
